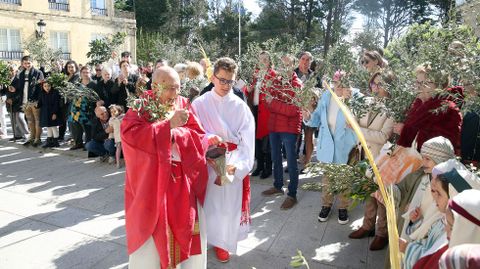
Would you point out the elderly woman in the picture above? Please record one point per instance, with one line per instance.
(104, 89)
(432, 114)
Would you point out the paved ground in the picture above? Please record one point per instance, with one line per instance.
(59, 209)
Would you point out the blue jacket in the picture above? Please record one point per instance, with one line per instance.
(331, 149)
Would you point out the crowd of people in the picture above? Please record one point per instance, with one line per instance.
(436, 196)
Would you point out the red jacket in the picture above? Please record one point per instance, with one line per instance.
(285, 117)
(422, 122)
(263, 112)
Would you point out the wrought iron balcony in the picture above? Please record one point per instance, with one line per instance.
(66, 56)
(11, 55)
(52, 4)
(99, 11)
(13, 2)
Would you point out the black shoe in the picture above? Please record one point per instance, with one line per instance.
(302, 172)
(36, 143)
(343, 216)
(75, 147)
(55, 143)
(324, 213)
(48, 143)
(286, 170)
(257, 172)
(265, 174)
(28, 143)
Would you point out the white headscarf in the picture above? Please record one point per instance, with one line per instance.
(466, 213)
(428, 206)
(469, 177)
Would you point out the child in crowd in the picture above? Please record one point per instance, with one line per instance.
(49, 104)
(117, 115)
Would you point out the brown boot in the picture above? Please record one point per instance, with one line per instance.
(288, 203)
(361, 233)
(378, 243)
(272, 191)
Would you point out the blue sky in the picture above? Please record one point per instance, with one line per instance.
(252, 6)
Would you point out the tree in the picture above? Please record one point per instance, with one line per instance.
(152, 15)
(124, 5)
(444, 8)
(369, 39)
(40, 51)
(101, 49)
(393, 16)
(336, 21)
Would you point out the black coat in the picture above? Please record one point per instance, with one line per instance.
(470, 137)
(104, 90)
(98, 132)
(49, 104)
(120, 91)
(34, 76)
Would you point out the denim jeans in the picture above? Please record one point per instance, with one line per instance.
(101, 149)
(289, 140)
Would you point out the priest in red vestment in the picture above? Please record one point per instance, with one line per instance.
(166, 177)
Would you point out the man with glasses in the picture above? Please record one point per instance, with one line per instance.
(223, 114)
(235, 90)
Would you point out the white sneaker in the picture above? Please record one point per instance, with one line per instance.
(111, 160)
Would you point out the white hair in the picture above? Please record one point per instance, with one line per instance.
(108, 70)
(180, 67)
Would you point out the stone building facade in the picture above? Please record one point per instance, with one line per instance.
(70, 25)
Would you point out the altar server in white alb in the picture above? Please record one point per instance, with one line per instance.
(227, 117)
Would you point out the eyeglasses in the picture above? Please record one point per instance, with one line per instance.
(364, 61)
(225, 81)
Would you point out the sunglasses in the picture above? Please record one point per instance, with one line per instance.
(98, 69)
(225, 81)
(365, 61)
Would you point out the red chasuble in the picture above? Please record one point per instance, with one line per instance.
(160, 196)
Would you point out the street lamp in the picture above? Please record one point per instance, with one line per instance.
(41, 28)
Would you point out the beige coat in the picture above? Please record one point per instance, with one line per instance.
(377, 129)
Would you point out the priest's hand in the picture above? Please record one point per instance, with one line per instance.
(179, 118)
(231, 169)
(214, 140)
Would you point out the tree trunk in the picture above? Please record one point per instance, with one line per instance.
(387, 25)
(309, 17)
(292, 17)
(328, 29)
